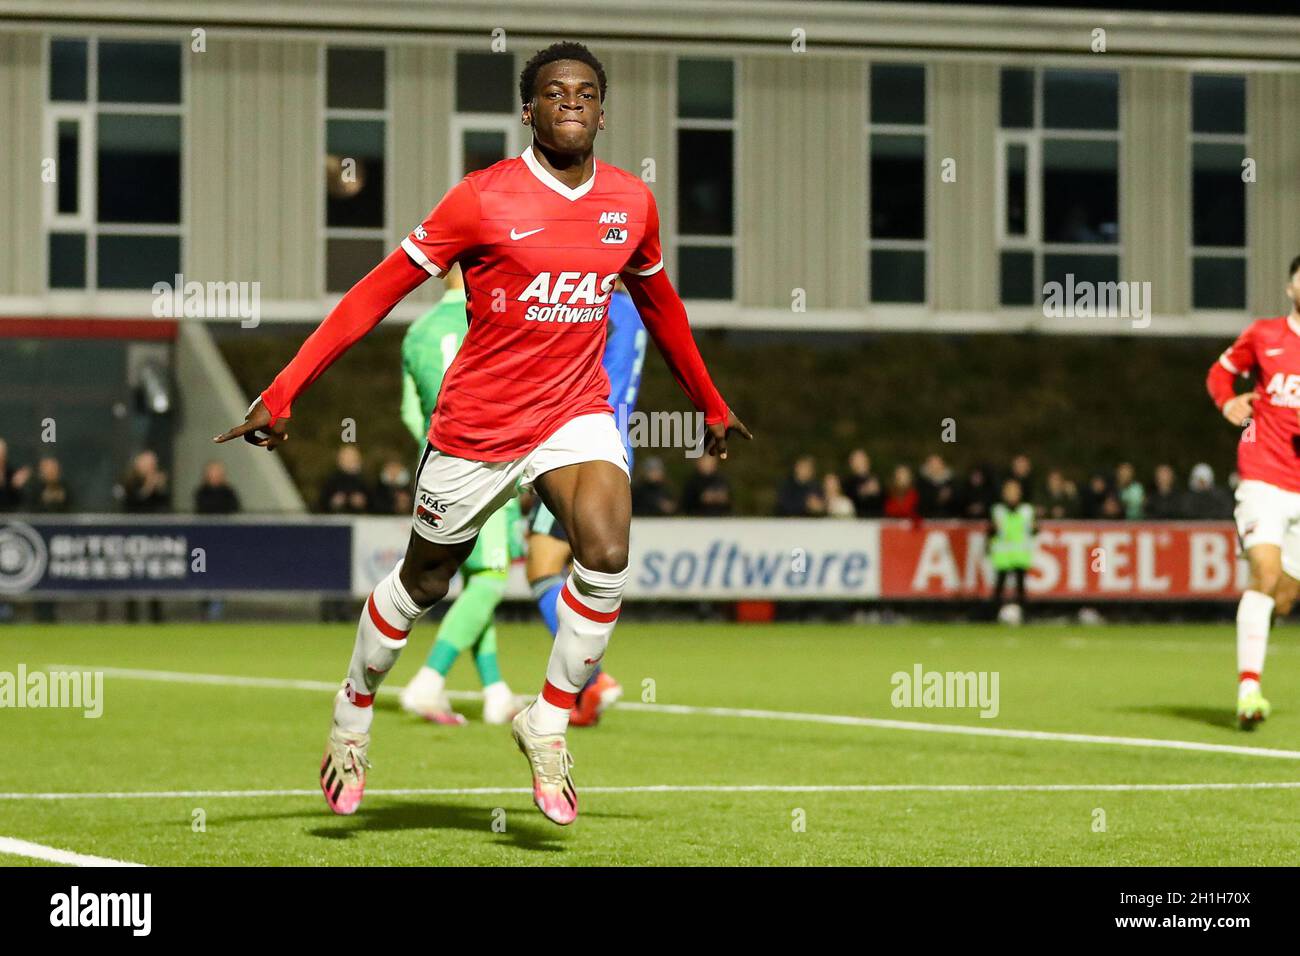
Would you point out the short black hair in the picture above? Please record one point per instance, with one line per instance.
(1295, 264)
(564, 50)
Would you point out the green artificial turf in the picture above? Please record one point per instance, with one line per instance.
(1173, 683)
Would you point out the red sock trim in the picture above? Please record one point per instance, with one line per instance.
(1248, 675)
(601, 617)
(358, 700)
(559, 698)
(386, 629)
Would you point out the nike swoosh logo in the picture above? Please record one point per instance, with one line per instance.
(1274, 351)
(524, 235)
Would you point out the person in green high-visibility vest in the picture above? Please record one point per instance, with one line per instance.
(1011, 547)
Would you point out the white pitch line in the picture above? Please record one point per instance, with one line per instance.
(185, 677)
(672, 788)
(49, 854)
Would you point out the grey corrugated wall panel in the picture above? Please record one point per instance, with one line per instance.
(963, 214)
(1273, 201)
(423, 87)
(254, 144)
(1154, 178)
(22, 253)
(801, 181)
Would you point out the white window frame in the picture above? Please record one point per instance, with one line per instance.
(328, 232)
(732, 125)
(1194, 251)
(86, 114)
(925, 131)
(1032, 138)
(462, 123)
(506, 122)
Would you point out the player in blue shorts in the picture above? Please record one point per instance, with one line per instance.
(548, 548)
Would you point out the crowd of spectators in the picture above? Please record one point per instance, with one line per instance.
(934, 490)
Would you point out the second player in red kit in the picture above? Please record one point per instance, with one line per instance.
(1268, 495)
(541, 240)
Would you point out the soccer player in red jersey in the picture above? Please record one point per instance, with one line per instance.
(541, 240)
(1268, 497)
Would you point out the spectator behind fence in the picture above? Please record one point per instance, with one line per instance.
(345, 491)
(1165, 501)
(214, 496)
(707, 493)
(12, 481)
(652, 496)
(1205, 501)
(144, 488)
(1022, 470)
(838, 504)
(1061, 498)
(800, 496)
(902, 499)
(1130, 491)
(977, 494)
(1092, 500)
(392, 496)
(938, 499)
(862, 486)
(48, 492)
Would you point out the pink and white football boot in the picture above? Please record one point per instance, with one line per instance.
(550, 761)
(343, 770)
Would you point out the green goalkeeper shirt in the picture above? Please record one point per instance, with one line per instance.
(428, 348)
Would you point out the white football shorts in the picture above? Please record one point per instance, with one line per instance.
(1267, 514)
(455, 496)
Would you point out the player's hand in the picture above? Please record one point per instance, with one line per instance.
(716, 438)
(1238, 409)
(257, 429)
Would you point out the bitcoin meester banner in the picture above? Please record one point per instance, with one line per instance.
(671, 559)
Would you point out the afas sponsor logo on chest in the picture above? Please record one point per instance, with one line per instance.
(568, 296)
(1284, 390)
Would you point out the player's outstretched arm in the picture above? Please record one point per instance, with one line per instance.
(360, 310)
(664, 317)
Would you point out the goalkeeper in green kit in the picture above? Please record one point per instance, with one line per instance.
(427, 352)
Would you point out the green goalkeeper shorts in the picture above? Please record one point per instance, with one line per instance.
(494, 549)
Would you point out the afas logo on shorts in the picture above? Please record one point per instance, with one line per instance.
(430, 510)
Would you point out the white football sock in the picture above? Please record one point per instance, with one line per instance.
(587, 611)
(381, 635)
(1254, 616)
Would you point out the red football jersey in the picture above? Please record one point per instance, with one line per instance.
(1269, 350)
(540, 261)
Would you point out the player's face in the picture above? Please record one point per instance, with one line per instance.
(1293, 289)
(565, 113)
